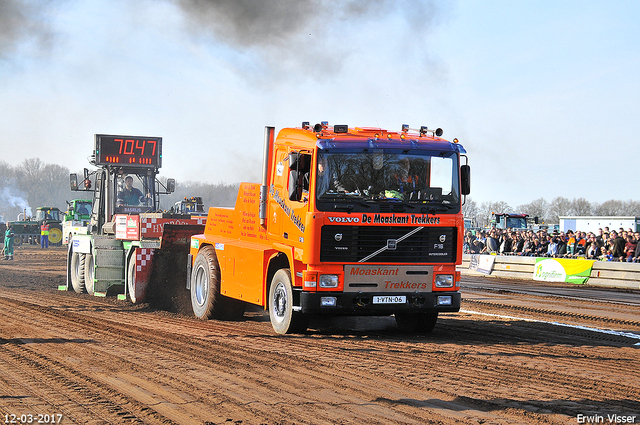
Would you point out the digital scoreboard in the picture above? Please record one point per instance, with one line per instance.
(128, 151)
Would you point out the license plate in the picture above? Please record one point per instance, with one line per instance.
(389, 299)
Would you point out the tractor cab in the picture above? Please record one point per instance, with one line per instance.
(48, 215)
(125, 182)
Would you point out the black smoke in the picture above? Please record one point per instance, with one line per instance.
(302, 37)
(24, 21)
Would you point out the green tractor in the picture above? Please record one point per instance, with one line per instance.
(28, 231)
(76, 219)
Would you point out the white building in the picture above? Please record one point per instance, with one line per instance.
(592, 224)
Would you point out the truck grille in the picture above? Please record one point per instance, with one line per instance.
(352, 244)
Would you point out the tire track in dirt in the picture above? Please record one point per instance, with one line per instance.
(472, 369)
(307, 403)
(269, 400)
(632, 323)
(337, 378)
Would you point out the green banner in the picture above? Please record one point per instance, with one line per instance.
(562, 270)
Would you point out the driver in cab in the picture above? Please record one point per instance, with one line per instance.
(131, 195)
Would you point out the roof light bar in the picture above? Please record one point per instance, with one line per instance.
(423, 130)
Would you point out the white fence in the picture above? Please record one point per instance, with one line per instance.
(603, 273)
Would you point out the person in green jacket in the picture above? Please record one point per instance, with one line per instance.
(8, 243)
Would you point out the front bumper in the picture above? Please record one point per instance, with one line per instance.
(361, 304)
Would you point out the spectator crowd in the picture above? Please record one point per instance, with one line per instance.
(621, 245)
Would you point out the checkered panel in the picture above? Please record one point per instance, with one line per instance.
(146, 224)
(143, 258)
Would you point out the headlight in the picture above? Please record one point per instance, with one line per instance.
(444, 281)
(445, 300)
(328, 301)
(328, 280)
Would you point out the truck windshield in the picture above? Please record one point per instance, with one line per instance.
(516, 222)
(411, 178)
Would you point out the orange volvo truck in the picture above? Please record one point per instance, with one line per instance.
(347, 221)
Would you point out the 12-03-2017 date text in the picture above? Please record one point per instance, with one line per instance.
(28, 418)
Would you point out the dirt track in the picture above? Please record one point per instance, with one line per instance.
(95, 360)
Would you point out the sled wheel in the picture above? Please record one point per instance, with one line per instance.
(131, 279)
(77, 271)
(283, 319)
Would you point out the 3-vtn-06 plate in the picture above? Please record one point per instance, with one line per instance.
(389, 299)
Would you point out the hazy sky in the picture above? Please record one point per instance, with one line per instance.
(544, 95)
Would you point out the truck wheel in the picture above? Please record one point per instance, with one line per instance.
(205, 284)
(89, 273)
(283, 319)
(77, 271)
(417, 322)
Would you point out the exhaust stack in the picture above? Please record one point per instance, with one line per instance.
(266, 153)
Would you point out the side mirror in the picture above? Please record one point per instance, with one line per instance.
(535, 220)
(73, 181)
(294, 157)
(171, 185)
(465, 176)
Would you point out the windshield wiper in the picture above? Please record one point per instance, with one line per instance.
(344, 197)
(433, 207)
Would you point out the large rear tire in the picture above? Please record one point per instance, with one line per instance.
(281, 313)
(89, 273)
(206, 300)
(205, 284)
(55, 235)
(77, 271)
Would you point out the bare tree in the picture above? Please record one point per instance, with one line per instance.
(30, 179)
(632, 208)
(610, 208)
(55, 181)
(42, 184)
(538, 208)
(581, 207)
(559, 207)
(470, 209)
(488, 208)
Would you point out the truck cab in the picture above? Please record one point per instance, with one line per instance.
(512, 221)
(347, 221)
